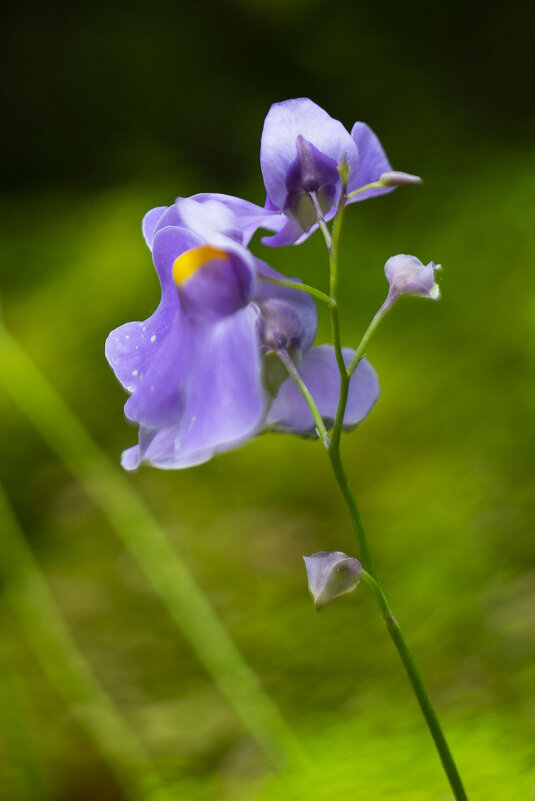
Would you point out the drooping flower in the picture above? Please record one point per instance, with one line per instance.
(331, 574)
(407, 275)
(201, 370)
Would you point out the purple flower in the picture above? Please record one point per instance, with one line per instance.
(301, 152)
(408, 276)
(202, 370)
(330, 575)
(319, 370)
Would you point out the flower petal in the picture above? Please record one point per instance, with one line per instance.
(169, 243)
(149, 224)
(207, 217)
(284, 123)
(249, 216)
(159, 398)
(131, 348)
(289, 234)
(224, 400)
(372, 162)
(319, 371)
(172, 240)
(159, 449)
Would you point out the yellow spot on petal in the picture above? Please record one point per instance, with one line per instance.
(190, 261)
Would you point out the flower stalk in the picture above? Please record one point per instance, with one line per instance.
(418, 686)
(312, 290)
(370, 331)
(293, 372)
(369, 573)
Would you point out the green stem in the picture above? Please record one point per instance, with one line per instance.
(321, 219)
(135, 525)
(332, 242)
(370, 572)
(418, 686)
(356, 519)
(32, 602)
(363, 344)
(355, 192)
(305, 392)
(317, 293)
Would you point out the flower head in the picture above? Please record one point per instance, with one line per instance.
(331, 574)
(302, 152)
(200, 370)
(408, 276)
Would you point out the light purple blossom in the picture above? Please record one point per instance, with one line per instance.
(331, 574)
(408, 276)
(301, 150)
(201, 371)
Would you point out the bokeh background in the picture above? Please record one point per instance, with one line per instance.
(112, 108)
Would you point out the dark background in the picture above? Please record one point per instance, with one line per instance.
(111, 108)
(99, 93)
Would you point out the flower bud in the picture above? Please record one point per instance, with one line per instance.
(331, 574)
(408, 276)
(396, 178)
(343, 169)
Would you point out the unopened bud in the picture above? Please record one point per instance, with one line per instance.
(408, 276)
(395, 178)
(331, 574)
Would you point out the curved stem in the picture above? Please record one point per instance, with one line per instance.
(356, 518)
(418, 686)
(355, 192)
(305, 392)
(321, 219)
(332, 242)
(317, 293)
(363, 344)
(370, 573)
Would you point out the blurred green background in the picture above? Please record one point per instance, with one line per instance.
(111, 109)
